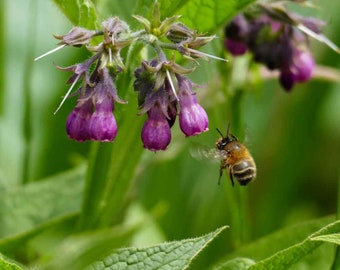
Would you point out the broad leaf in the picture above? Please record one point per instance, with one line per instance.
(28, 206)
(285, 258)
(13, 243)
(172, 255)
(80, 250)
(8, 265)
(330, 238)
(208, 15)
(79, 12)
(237, 264)
(202, 15)
(275, 242)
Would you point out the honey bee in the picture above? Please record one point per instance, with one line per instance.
(236, 158)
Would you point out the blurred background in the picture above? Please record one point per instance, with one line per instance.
(293, 137)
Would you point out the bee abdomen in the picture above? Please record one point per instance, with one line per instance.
(244, 171)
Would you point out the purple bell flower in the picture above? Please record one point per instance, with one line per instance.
(103, 126)
(77, 124)
(300, 70)
(193, 119)
(236, 33)
(156, 133)
(235, 47)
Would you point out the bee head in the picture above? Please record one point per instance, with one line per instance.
(224, 140)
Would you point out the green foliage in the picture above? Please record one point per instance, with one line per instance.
(208, 14)
(171, 255)
(285, 247)
(28, 206)
(65, 205)
(285, 258)
(7, 265)
(330, 238)
(79, 12)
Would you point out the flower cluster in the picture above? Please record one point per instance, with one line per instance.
(158, 97)
(163, 90)
(92, 117)
(272, 36)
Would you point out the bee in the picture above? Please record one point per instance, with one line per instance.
(236, 158)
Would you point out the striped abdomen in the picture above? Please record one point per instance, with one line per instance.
(243, 170)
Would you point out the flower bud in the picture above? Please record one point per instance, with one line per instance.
(77, 36)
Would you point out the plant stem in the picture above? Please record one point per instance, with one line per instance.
(336, 262)
(27, 93)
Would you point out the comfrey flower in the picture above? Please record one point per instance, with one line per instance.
(78, 121)
(92, 118)
(163, 90)
(278, 40)
(161, 99)
(193, 119)
(299, 70)
(236, 33)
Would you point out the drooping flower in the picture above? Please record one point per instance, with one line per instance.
(236, 35)
(78, 121)
(103, 126)
(278, 39)
(193, 119)
(300, 70)
(156, 133)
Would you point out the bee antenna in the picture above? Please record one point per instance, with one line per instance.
(219, 132)
(228, 129)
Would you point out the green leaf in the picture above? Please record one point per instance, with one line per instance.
(236, 264)
(172, 255)
(79, 12)
(13, 243)
(8, 265)
(28, 206)
(78, 251)
(202, 15)
(209, 15)
(330, 238)
(287, 257)
(280, 240)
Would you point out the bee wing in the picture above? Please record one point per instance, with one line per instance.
(211, 154)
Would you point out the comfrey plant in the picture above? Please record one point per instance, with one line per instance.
(278, 39)
(163, 89)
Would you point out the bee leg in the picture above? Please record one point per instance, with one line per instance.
(231, 178)
(219, 179)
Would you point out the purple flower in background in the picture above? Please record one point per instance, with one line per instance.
(235, 47)
(236, 33)
(275, 40)
(300, 70)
